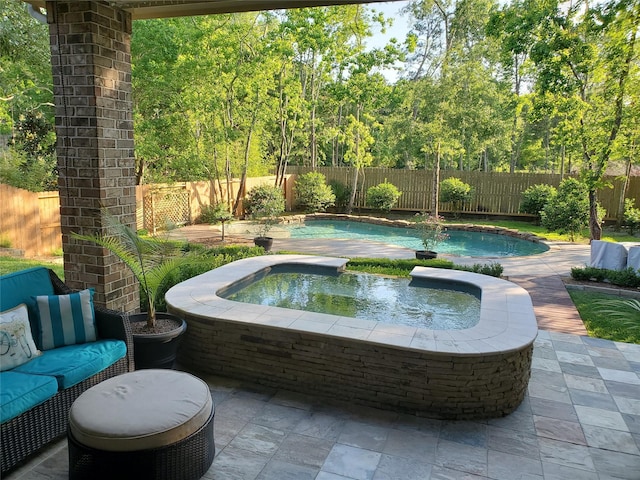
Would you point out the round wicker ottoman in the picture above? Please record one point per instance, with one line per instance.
(148, 424)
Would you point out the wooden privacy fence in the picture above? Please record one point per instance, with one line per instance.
(31, 221)
(160, 205)
(495, 193)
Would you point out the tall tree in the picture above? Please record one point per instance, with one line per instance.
(587, 53)
(162, 134)
(514, 42)
(26, 83)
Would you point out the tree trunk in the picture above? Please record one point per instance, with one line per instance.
(354, 187)
(595, 228)
(139, 171)
(514, 154)
(247, 151)
(435, 201)
(313, 140)
(623, 193)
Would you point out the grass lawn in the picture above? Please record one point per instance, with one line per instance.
(601, 325)
(13, 264)
(608, 234)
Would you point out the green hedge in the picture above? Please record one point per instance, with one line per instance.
(622, 278)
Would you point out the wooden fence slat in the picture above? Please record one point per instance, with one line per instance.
(31, 221)
(496, 193)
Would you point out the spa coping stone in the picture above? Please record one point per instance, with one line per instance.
(507, 321)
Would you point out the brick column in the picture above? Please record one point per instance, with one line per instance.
(91, 61)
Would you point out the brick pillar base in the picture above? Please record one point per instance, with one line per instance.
(91, 61)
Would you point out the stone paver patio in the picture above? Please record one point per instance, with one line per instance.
(579, 420)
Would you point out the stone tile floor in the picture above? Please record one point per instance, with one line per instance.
(580, 420)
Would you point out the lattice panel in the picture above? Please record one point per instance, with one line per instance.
(166, 208)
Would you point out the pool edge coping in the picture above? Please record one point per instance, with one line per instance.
(406, 224)
(507, 320)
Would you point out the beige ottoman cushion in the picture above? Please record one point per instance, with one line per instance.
(140, 410)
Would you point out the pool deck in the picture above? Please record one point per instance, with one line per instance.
(580, 419)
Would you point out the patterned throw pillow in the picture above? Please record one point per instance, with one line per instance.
(66, 319)
(16, 343)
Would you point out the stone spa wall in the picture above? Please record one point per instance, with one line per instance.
(480, 372)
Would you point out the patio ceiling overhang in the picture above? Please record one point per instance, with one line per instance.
(181, 8)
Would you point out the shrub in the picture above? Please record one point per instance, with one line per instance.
(312, 192)
(5, 242)
(342, 194)
(264, 200)
(535, 198)
(214, 214)
(455, 191)
(631, 216)
(431, 230)
(622, 278)
(264, 204)
(588, 274)
(383, 196)
(400, 267)
(403, 267)
(492, 269)
(211, 258)
(568, 211)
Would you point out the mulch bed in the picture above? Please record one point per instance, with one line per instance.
(571, 281)
(229, 240)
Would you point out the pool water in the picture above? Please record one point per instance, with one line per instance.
(396, 301)
(471, 244)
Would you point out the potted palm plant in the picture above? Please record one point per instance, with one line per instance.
(432, 232)
(264, 205)
(156, 335)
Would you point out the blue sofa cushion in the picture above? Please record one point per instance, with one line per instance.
(20, 287)
(21, 392)
(74, 363)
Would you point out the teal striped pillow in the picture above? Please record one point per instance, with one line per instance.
(66, 319)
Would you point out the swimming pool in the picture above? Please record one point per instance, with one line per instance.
(394, 301)
(460, 242)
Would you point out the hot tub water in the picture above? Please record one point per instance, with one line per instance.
(395, 301)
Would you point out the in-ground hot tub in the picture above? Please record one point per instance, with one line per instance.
(478, 372)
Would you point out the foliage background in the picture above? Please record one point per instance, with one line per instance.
(529, 85)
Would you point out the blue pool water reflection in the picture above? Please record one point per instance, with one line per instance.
(471, 244)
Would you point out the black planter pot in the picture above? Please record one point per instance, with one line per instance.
(264, 242)
(425, 254)
(157, 350)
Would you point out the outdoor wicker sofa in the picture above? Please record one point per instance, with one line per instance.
(24, 434)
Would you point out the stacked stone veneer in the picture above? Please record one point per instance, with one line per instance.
(91, 61)
(421, 383)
